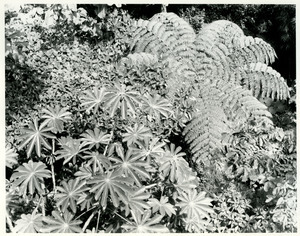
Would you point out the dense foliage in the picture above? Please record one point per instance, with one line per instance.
(98, 129)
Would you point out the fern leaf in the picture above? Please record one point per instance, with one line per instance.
(268, 82)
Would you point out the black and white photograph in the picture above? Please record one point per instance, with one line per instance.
(150, 118)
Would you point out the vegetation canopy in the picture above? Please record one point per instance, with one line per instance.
(149, 126)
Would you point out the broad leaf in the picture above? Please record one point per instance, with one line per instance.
(55, 117)
(95, 137)
(195, 204)
(144, 223)
(61, 223)
(133, 134)
(162, 206)
(36, 136)
(93, 99)
(131, 165)
(69, 193)
(30, 223)
(112, 184)
(30, 176)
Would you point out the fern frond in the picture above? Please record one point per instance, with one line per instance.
(176, 24)
(205, 130)
(138, 59)
(264, 81)
(251, 50)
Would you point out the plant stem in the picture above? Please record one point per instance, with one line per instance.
(98, 218)
(105, 150)
(85, 212)
(88, 221)
(52, 166)
(10, 225)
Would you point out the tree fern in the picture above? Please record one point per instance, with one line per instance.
(220, 64)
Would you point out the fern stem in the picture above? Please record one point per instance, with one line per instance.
(10, 225)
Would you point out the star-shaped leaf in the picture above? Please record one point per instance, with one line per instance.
(131, 165)
(61, 223)
(136, 201)
(30, 223)
(93, 99)
(85, 172)
(195, 204)
(172, 164)
(55, 117)
(95, 137)
(156, 106)
(162, 206)
(98, 161)
(10, 157)
(30, 176)
(68, 193)
(112, 184)
(150, 148)
(138, 132)
(121, 97)
(71, 148)
(144, 223)
(36, 135)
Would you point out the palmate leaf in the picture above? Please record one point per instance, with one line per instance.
(10, 157)
(30, 223)
(93, 99)
(131, 165)
(136, 201)
(85, 172)
(121, 97)
(30, 176)
(55, 117)
(156, 106)
(71, 148)
(194, 204)
(162, 206)
(112, 184)
(95, 138)
(149, 148)
(98, 161)
(61, 223)
(138, 132)
(36, 136)
(196, 225)
(69, 193)
(172, 165)
(144, 223)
